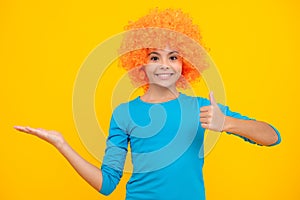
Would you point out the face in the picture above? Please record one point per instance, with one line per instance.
(164, 67)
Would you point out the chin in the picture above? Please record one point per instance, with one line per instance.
(166, 85)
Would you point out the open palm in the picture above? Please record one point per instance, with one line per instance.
(53, 137)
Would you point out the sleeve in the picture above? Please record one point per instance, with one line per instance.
(228, 112)
(115, 155)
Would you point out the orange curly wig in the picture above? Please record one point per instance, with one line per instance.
(159, 29)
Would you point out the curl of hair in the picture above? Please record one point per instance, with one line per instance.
(173, 21)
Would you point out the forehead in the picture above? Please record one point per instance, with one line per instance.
(162, 51)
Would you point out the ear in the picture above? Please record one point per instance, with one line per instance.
(142, 74)
(142, 68)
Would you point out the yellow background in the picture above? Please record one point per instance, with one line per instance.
(255, 45)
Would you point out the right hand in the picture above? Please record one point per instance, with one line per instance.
(53, 137)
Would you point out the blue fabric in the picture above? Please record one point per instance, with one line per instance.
(165, 141)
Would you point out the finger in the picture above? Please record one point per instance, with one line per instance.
(204, 125)
(36, 132)
(205, 108)
(204, 120)
(32, 130)
(205, 114)
(28, 128)
(20, 128)
(212, 98)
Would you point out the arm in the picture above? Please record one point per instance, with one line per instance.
(258, 131)
(87, 171)
(211, 117)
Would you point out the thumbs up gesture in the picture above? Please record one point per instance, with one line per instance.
(211, 117)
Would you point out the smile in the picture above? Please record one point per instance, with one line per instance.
(164, 76)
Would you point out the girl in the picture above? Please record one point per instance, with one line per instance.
(164, 127)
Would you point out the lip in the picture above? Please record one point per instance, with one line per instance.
(164, 76)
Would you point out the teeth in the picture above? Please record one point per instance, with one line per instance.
(168, 74)
(164, 76)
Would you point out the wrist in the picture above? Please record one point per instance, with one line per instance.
(61, 146)
(227, 124)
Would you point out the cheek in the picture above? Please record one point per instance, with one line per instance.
(178, 68)
(149, 69)
(147, 73)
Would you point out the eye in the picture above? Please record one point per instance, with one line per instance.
(173, 58)
(154, 58)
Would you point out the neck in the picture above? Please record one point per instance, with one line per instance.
(157, 93)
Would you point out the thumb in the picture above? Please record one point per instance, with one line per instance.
(212, 98)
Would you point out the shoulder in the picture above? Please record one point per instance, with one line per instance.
(122, 114)
(123, 108)
(201, 101)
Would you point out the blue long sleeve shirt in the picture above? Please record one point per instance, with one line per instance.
(166, 149)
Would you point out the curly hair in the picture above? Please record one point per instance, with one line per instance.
(159, 29)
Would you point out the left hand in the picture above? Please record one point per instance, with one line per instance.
(211, 117)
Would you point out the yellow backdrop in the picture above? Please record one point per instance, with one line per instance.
(255, 45)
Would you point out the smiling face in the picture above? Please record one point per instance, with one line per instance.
(164, 68)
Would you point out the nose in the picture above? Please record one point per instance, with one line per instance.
(164, 67)
(164, 62)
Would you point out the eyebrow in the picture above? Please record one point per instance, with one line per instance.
(154, 52)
